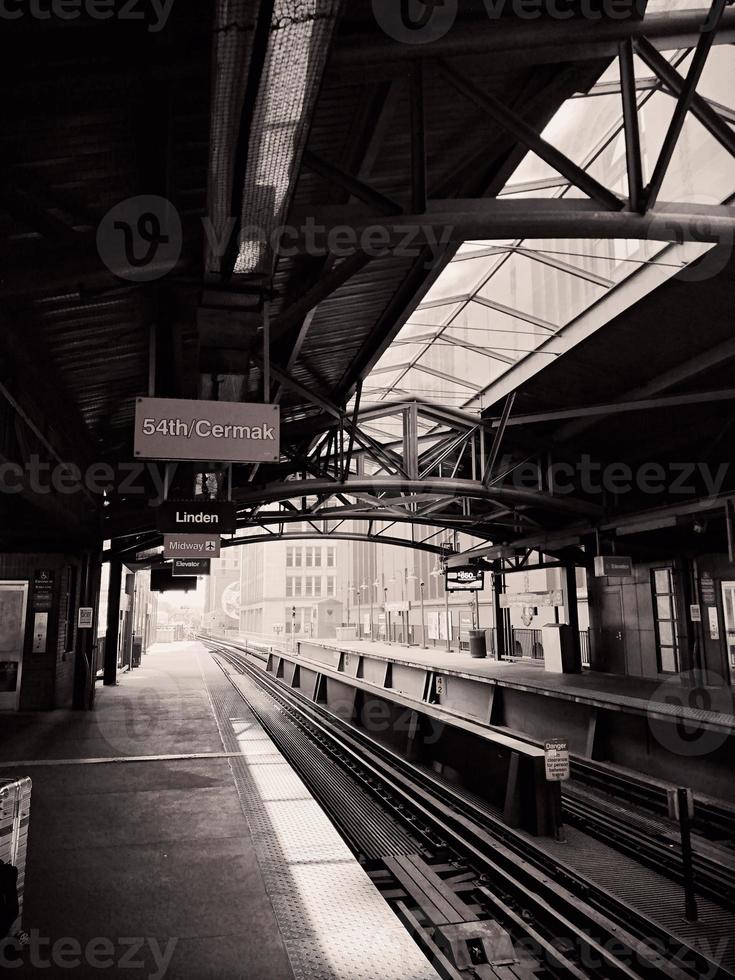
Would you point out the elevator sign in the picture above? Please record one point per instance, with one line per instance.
(229, 432)
(613, 566)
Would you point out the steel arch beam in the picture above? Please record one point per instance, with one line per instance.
(469, 220)
(392, 484)
(337, 536)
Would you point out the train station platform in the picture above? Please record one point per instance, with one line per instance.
(610, 691)
(170, 838)
(659, 728)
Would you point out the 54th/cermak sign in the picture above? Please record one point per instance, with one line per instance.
(231, 432)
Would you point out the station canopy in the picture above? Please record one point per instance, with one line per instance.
(503, 305)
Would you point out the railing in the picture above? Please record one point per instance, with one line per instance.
(262, 641)
(527, 644)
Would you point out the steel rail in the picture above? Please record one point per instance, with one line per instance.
(503, 852)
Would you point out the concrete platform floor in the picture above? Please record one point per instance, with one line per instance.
(152, 863)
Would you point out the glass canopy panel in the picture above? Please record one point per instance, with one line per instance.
(718, 78)
(462, 278)
(402, 352)
(508, 297)
(494, 324)
(532, 170)
(418, 384)
(464, 367)
(539, 291)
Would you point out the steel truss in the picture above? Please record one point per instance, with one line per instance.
(602, 214)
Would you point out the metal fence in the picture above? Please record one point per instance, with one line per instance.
(527, 644)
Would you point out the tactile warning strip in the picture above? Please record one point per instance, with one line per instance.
(334, 923)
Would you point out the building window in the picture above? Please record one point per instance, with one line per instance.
(317, 586)
(289, 557)
(309, 557)
(331, 557)
(289, 586)
(331, 585)
(308, 582)
(665, 619)
(317, 557)
(297, 586)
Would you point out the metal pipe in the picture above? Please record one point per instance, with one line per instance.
(630, 124)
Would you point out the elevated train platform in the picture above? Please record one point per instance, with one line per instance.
(661, 729)
(207, 856)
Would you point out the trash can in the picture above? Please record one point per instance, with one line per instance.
(478, 644)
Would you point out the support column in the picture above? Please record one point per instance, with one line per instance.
(113, 622)
(84, 678)
(499, 612)
(570, 579)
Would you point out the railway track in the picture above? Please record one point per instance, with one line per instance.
(713, 820)
(577, 929)
(649, 843)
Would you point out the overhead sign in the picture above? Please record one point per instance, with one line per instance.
(162, 580)
(85, 618)
(192, 566)
(467, 579)
(191, 546)
(556, 754)
(613, 566)
(535, 600)
(191, 515)
(181, 429)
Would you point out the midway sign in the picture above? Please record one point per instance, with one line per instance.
(191, 546)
